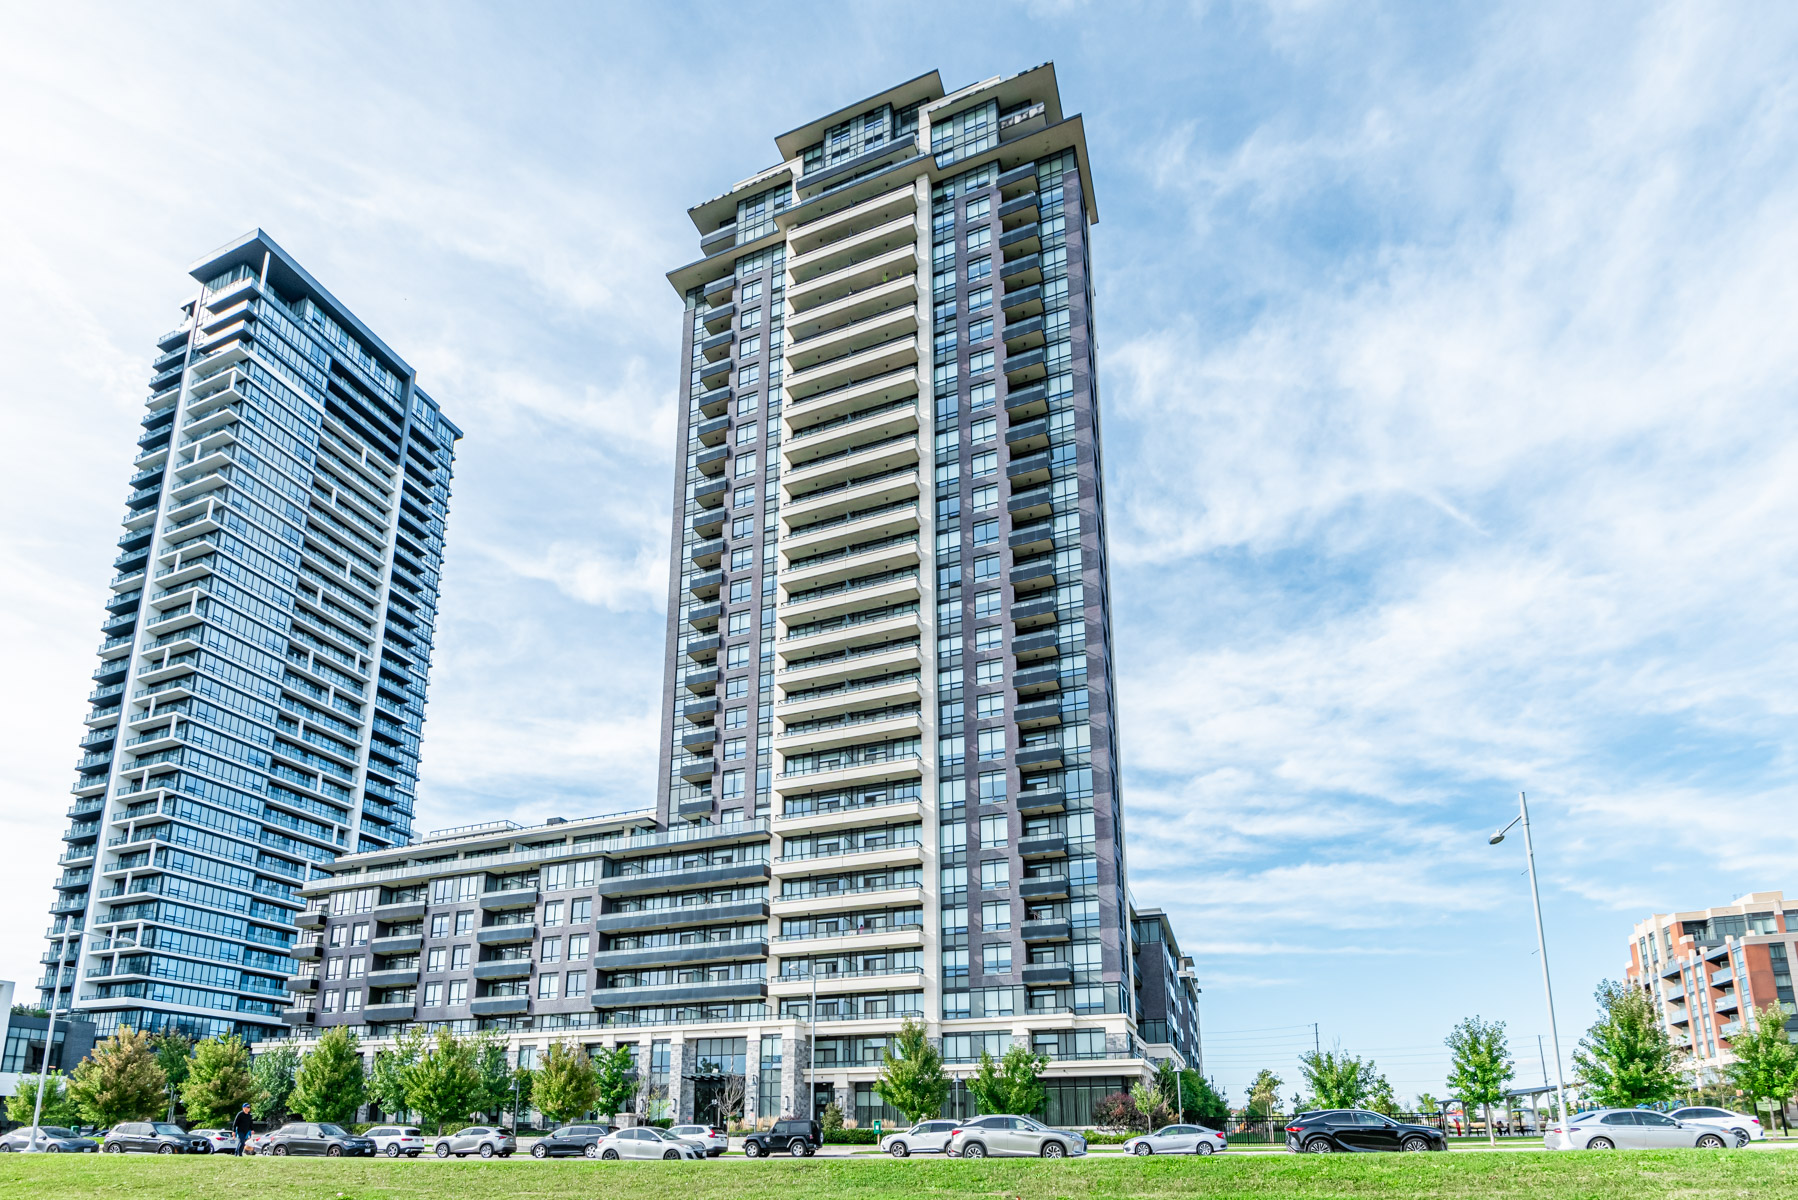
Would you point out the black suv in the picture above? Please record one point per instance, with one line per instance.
(1356, 1130)
(153, 1137)
(794, 1136)
(571, 1139)
(320, 1137)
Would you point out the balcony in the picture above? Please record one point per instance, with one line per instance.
(888, 553)
(510, 898)
(1035, 646)
(702, 649)
(842, 434)
(852, 367)
(681, 954)
(404, 977)
(1022, 272)
(852, 309)
(705, 587)
(1044, 887)
(1041, 801)
(307, 951)
(682, 915)
(498, 1006)
(846, 251)
(1027, 436)
(714, 403)
(1037, 714)
(1028, 471)
(709, 991)
(701, 683)
(505, 935)
(1038, 758)
(716, 290)
(1019, 211)
(711, 493)
(853, 337)
(852, 221)
(846, 169)
(1030, 504)
(855, 525)
(699, 806)
(1018, 181)
(512, 968)
(715, 374)
(1025, 333)
(855, 462)
(1048, 974)
(299, 1016)
(712, 432)
(312, 918)
(719, 318)
(712, 875)
(405, 943)
(901, 262)
(1043, 845)
(402, 910)
(1025, 239)
(701, 710)
(698, 770)
(1026, 366)
(711, 460)
(717, 346)
(707, 554)
(852, 940)
(1033, 574)
(1047, 931)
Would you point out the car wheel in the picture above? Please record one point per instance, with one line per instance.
(1142, 1149)
(670, 1155)
(115, 1148)
(5, 1149)
(165, 1150)
(1054, 1149)
(610, 1156)
(591, 1151)
(898, 1150)
(539, 1151)
(486, 1151)
(1319, 1145)
(1204, 1148)
(1710, 1141)
(796, 1147)
(52, 1148)
(393, 1150)
(442, 1149)
(1601, 1143)
(1741, 1137)
(974, 1150)
(751, 1150)
(1415, 1144)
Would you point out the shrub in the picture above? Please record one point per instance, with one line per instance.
(853, 1137)
(1115, 1113)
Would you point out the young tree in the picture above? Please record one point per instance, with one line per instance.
(1149, 1103)
(495, 1073)
(831, 1119)
(1428, 1105)
(59, 1109)
(1264, 1095)
(1201, 1102)
(391, 1075)
(1627, 1057)
(174, 1054)
(1766, 1065)
(1380, 1098)
(615, 1082)
(120, 1081)
(1011, 1084)
(524, 1090)
(567, 1086)
(218, 1083)
(273, 1070)
(912, 1078)
(446, 1083)
(329, 1085)
(1337, 1079)
(1480, 1066)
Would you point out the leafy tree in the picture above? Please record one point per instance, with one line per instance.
(273, 1070)
(219, 1082)
(59, 1109)
(30, 1010)
(1264, 1094)
(1766, 1065)
(1627, 1058)
(1380, 1098)
(329, 1085)
(120, 1081)
(1114, 1113)
(1337, 1079)
(392, 1072)
(494, 1071)
(831, 1119)
(524, 1088)
(615, 1081)
(567, 1085)
(1480, 1066)
(1011, 1084)
(1428, 1105)
(446, 1083)
(912, 1078)
(174, 1054)
(1150, 1105)
(1201, 1102)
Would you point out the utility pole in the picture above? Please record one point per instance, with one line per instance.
(1317, 1047)
(1529, 854)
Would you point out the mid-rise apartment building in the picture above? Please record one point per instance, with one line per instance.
(267, 640)
(1711, 970)
(888, 769)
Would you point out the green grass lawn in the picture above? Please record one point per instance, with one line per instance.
(1527, 1176)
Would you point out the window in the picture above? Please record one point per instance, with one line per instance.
(736, 689)
(433, 995)
(742, 527)
(338, 933)
(990, 638)
(977, 300)
(986, 497)
(736, 657)
(747, 434)
(980, 268)
(749, 347)
(989, 706)
(464, 922)
(582, 911)
(733, 785)
(980, 331)
(334, 969)
(741, 590)
(743, 497)
(979, 364)
(736, 718)
(458, 991)
(992, 745)
(992, 787)
(548, 986)
(436, 958)
(951, 750)
(330, 1004)
(743, 464)
(986, 604)
(980, 239)
(750, 320)
(734, 747)
(986, 566)
(440, 925)
(358, 966)
(995, 832)
(978, 208)
(996, 916)
(552, 914)
(359, 934)
(995, 874)
(352, 1001)
(750, 292)
(551, 950)
(995, 960)
(984, 431)
(459, 958)
(577, 983)
(577, 948)
(747, 405)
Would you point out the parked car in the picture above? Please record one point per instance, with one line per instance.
(1353, 1130)
(485, 1140)
(713, 1140)
(1633, 1129)
(796, 1137)
(926, 1137)
(1745, 1126)
(317, 1137)
(571, 1140)
(395, 1140)
(152, 1137)
(1178, 1139)
(218, 1141)
(647, 1142)
(51, 1139)
(255, 1144)
(1006, 1136)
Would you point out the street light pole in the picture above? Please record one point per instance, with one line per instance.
(37, 1111)
(1529, 854)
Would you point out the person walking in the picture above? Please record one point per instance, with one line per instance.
(240, 1125)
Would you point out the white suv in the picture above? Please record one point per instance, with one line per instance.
(395, 1140)
(713, 1140)
(1746, 1128)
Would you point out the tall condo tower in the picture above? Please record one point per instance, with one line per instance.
(888, 625)
(261, 688)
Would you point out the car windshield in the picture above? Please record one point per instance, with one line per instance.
(54, 1131)
(660, 1134)
(166, 1129)
(332, 1130)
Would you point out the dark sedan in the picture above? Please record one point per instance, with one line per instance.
(52, 1139)
(1355, 1130)
(304, 1137)
(571, 1140)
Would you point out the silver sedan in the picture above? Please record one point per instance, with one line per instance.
(1632, 1129)
(1178, 1139)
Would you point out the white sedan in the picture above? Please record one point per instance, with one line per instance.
(646, 1141)
(1745, 1127)
(1633, 1129)
(1178, 1139)
(926, 1137)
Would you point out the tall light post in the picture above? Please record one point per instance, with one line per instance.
(1548, 992)
(37, 1110)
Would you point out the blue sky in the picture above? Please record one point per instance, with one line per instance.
(1450, 435)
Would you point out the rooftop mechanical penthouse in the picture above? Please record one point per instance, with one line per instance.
(888, 781)
(261, 688)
